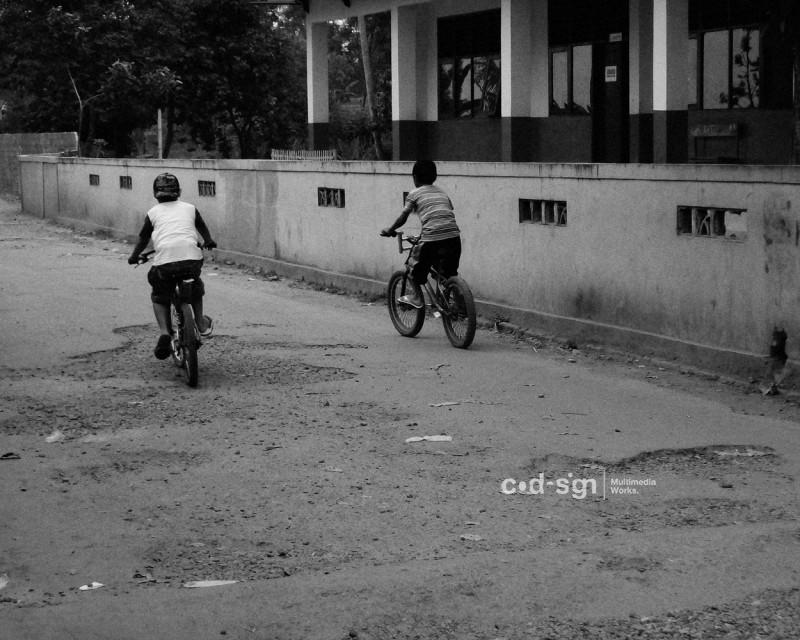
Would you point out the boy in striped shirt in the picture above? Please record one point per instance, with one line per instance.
(440, 240)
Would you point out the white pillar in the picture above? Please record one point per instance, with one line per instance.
(404, 63)
(640, 84)
(540, 60)
(525, 58)
(670, 64)
(414, 78)
(317, 71)
(640, 55)
(670, 80)
(427, 64)
(516, 56)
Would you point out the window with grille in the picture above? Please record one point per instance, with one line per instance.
(207, 188)
(94, 179)
(553, 212)
(126, 182)
(712, 222)
(330, 197)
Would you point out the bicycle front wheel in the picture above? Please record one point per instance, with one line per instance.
(459, 317)
(189, 343)
(405, 318)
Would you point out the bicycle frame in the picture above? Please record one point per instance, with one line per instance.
(182, 294)
(435, 296)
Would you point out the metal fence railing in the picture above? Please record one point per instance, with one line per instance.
(304, 154)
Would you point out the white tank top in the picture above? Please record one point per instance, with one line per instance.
(174, 235)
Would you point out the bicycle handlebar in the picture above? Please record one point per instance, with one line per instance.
(411, 240)
(145, 256)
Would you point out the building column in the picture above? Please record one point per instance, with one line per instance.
(413, 78)
(317, 84)
(640, 91)
(670, 80)
(524, 83)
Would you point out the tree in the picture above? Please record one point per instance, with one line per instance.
(56, 58)
(360, 71)
(105, 68)
(366, 39)
(242, 71)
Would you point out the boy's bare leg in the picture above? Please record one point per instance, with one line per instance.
(201, 320)
(162, 317)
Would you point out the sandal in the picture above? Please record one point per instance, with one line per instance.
(164, 347)
(209, 328)
(410, 302)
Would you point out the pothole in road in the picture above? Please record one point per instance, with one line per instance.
(632, 515)
(185, 560)
(133, 462)
(311, 345)
(650, 480)
(628, 563)
(687, 460)
(750, 456)
(129, 388)
(223, 358)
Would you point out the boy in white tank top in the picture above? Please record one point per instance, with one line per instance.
(176, 229)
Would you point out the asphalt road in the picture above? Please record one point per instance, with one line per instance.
(671, 509)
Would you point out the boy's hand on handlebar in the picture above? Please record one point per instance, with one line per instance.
(388, 233)
(140, 258)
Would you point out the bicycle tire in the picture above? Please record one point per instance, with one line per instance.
(178, 357)
(459, 319)
(406, 319)
(189, 344)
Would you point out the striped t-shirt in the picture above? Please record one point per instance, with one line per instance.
(435, 212)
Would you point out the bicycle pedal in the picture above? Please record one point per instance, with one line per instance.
(436, 314)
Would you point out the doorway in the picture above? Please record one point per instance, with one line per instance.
(610, 101)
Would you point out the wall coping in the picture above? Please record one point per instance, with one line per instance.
(763, 174)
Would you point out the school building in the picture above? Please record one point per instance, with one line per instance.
(639, 81)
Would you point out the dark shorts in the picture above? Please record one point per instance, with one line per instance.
(443, 254)
(163, 277)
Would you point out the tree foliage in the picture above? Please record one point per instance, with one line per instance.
(360, 85)
(105, 68)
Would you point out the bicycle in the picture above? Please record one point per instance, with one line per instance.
(448, 298)
(183, 327)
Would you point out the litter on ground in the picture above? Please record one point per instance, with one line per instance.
(55, 436)
(199, 584)
(439, 438)
(471, 537)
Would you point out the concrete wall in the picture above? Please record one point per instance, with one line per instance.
(15, 144)
(617, 272)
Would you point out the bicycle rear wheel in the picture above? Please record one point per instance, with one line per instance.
(459, 319)
(189, 342)
(405, 318)
(176, 324)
